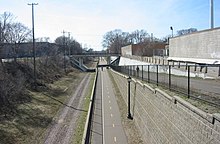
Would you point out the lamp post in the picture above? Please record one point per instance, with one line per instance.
(129, 95)
(171, 28)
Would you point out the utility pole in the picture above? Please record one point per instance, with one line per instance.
(211, 14)
(64, 53)
(34, 53)
(69, 42)
(0, 32)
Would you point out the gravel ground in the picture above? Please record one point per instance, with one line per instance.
(62, 130)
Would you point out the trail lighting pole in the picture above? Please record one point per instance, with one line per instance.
(34, 53)
(129, 97)
(171, 28)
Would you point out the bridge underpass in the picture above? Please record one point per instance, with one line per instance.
(77, 60)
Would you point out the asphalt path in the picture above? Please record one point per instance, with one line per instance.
(106, 112)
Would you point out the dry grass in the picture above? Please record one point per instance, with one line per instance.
(31, 120)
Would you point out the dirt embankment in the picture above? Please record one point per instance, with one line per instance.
(63, 127)
(26, 113)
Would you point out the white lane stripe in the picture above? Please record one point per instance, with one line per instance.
(111, 115)
(113, 125)
(103, 121)
(115, 139)
(110, 108)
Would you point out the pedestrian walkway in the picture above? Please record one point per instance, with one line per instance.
(106, 122)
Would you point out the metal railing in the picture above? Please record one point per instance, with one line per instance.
(199, 82)
(87, 129)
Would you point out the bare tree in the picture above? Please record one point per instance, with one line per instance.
(73, 46)
(114, 40)
(12, 32)
(5, 20)
(139, 36)
(17, 32)
(186, 31)
(43, 39)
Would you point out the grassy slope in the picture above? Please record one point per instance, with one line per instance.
(31, 120)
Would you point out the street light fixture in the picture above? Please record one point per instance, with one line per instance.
(171, 28)
(129, 96)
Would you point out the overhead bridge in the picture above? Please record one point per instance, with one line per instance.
(77, 59)
(94, 54)
(103, 65)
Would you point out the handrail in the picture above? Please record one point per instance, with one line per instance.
(87, 128)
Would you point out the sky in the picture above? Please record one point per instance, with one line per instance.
(89, 20)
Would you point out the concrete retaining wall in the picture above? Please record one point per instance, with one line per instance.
(127, 50)
(163, 119)
(152, 60)
(204, 44)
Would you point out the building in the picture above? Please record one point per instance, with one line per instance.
(8, 50)
(146, 49)
(198, 47)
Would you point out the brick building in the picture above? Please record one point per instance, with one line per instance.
(149, 49)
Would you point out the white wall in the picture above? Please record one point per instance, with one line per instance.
(204, 44)
(126, 50)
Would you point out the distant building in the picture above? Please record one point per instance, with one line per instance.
(8, 50)
(149, 49)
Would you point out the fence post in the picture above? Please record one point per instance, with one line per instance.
(157, 74)
(169, 77)
(142, 73)
(219, 71)
(206, 69)
(188, 81)
(186, 65)
(128, 70)
(135, 72)
(148, 73)
(195, 67)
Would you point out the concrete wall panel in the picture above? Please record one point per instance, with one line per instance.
(161, 118)
(204, 44)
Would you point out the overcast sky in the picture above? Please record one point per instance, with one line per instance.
(89, 20)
